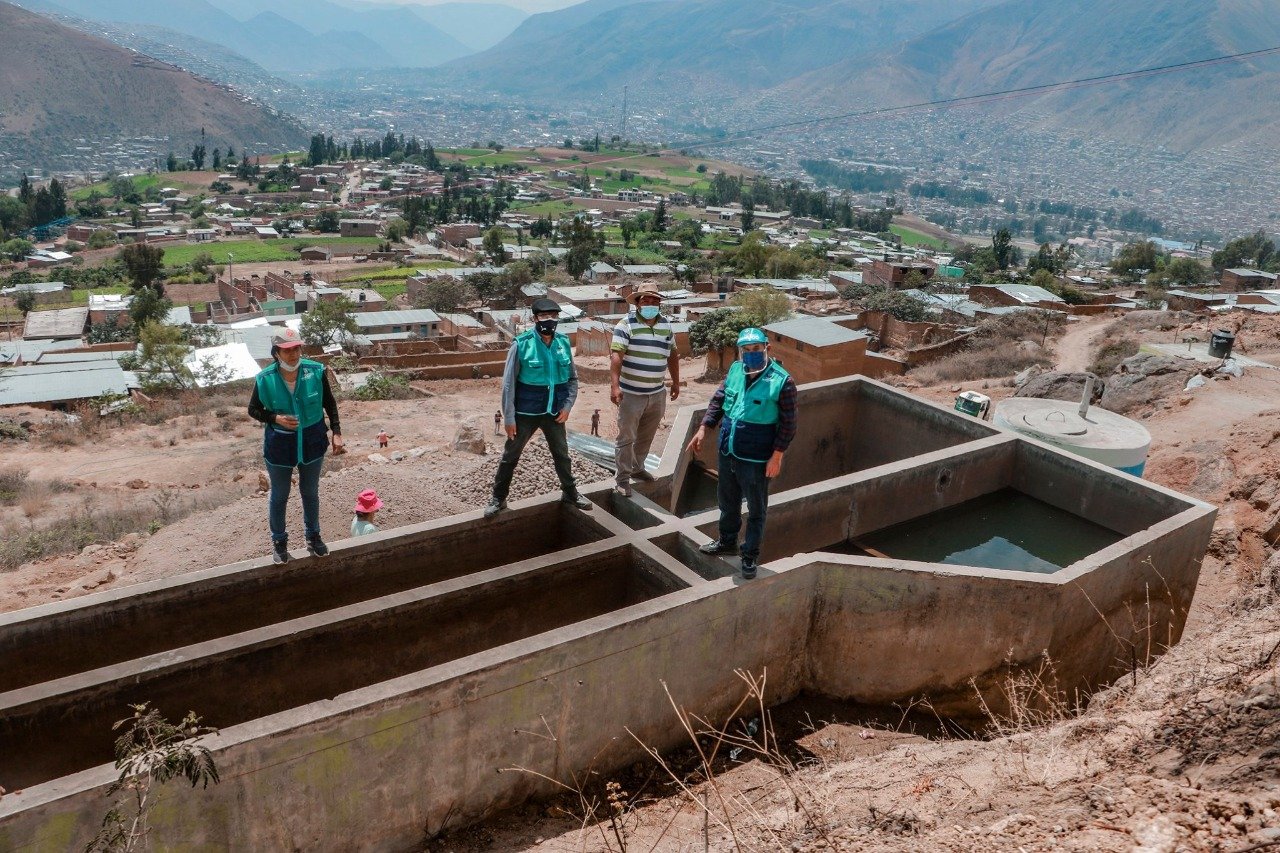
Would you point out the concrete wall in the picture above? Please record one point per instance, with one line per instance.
(437, 681)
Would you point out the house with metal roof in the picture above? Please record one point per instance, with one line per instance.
(58, 324)
(57, 385)
(814, 348)
(422, 322)
(1015, 295)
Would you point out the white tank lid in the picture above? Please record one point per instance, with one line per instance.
(1060, 420)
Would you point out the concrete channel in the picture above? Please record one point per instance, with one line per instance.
(383, 693)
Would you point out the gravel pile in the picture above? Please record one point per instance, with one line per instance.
(535, 475)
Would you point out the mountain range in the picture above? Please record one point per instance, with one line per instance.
(817, 57)
(715, 46)
(296, 38)
(97, 90)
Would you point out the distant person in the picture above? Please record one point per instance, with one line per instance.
(366, 509)
(642, 351)
(497, 423)
(383, 438)
(291, 398)
(755, 407)
(539, 388)
(595, 422)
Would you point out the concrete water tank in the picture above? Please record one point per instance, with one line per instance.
(1087, 431)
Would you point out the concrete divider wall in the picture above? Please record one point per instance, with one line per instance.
(427, 749)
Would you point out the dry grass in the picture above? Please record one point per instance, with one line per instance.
(13, 482)
(999, 347)
(1111, 353)
(88, 523)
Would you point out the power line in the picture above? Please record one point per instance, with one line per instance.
(967, 100)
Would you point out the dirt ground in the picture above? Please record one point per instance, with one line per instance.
(1182, 756)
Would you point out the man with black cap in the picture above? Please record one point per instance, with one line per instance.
(539, 387)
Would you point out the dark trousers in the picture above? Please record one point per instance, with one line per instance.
(557, 443)
(308, 485)
(737, 480)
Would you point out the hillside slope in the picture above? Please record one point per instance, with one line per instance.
(1024, 43)
(703, 46)
(58, 85)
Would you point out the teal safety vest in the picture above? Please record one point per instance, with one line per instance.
(306, 403)
(751, 412)
(542, 386)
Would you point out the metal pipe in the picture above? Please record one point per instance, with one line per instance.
(1087, 397)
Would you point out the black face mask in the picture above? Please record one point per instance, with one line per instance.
(546, 327)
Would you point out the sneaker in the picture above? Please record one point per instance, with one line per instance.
(576, 500)
(495, 506)
(316, 546)
(642, 475)
(622, 491)
(748, 568)
(717, 548)
(279, 552)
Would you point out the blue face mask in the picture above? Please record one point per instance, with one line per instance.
(648, 312)
(753, 362)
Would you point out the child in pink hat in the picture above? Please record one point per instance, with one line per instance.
(367, 506)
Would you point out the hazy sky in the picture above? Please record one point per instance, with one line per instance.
(527, 5)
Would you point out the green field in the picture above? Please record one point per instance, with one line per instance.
(394, 273)
(259, 251)
(915, 238)
(140, 183)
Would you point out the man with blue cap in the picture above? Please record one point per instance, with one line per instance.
(755, 408)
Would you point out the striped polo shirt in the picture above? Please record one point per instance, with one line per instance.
(645, 350)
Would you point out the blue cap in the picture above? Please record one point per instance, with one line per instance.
(752, 336)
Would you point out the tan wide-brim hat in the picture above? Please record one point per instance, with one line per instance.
(641, 289)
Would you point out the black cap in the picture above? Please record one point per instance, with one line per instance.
(543, 305)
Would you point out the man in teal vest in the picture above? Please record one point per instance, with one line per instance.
(755, 407)
(539, 387)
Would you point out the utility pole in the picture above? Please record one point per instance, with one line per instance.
(624, 115)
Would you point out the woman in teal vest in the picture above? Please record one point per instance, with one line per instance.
(291, 397)
(539, 387)
(755, 408)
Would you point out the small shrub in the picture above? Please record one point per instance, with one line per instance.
(993, 351)
(13, 482)
(1111, 353)
(13, 432)
(384, 386)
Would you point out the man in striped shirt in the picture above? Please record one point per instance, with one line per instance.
(643, 350)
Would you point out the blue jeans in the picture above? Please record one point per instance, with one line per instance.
(737, 480)
(308, 485)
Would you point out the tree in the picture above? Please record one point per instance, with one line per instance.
(628, 226)
(329, 322)
(1002, 248)
(444, 295)
(1185, 272)
(148, 306)
(659, 223)
(397, 230)
(751, 257)
(899, 305)
(16, 249)
(762, 305)
(25, 300)
(717, 330)
(145, 264)
(217, 159)
(197, 156)
(162, 351)
(495, 245)
(327, 222)
(578, 259)
(1135, 259)
(748, 217)
(1254, 250)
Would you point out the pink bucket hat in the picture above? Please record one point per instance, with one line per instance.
(368, 501)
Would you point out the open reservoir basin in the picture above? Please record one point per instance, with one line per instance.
(1001, 530)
